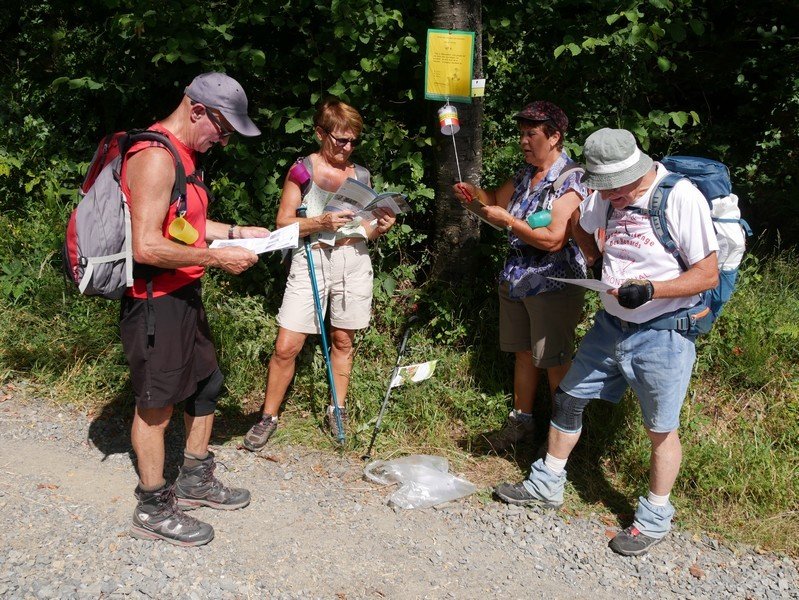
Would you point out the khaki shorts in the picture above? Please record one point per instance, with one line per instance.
(543, 323)
(344, 278)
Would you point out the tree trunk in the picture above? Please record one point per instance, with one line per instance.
(456, 232)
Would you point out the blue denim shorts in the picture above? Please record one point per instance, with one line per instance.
(656, 364)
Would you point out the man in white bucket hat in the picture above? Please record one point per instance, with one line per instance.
(641, 338)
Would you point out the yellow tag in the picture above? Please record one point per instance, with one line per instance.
(183, 231)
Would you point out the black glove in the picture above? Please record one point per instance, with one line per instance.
(636, 292)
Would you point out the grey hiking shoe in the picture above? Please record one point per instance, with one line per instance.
(197, 486)
(331, 420)
(157, 517)
(632, 542)
(516, 493)
(260, 433)
(514, 431)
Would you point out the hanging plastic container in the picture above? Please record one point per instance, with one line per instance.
(448, 120)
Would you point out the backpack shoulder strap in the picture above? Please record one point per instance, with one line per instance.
(556, 185)
(308, 164)
(362, 175)
(147, 135)
(564, 175)
(197, 179)
(657, 216)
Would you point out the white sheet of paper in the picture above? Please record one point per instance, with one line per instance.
(285, 237)
(351, 195)
(396, 204)
(591, 284)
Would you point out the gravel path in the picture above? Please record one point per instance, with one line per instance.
(315, 529)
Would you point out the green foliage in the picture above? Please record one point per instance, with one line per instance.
(755, 338)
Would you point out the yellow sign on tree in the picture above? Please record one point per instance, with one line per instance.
(449, 65)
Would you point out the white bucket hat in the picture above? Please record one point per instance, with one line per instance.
(613, 159)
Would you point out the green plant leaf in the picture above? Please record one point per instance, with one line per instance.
(294, 125)
(258, 58)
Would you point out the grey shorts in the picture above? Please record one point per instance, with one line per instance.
(165, 368)
(543, 324)
(344, 279)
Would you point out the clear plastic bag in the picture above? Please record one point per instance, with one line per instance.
(423, 479)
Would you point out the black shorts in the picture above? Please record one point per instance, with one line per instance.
(165, 368)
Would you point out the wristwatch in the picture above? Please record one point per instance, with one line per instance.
(230, 232)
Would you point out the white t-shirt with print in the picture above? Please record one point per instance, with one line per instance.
(632, 250)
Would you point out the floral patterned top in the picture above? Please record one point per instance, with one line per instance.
(527, 268)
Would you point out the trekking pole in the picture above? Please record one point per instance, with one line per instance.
(400, 353)
(301, 211)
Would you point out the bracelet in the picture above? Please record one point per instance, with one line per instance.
(230, 232)
(509, 226)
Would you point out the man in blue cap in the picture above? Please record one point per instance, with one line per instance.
(641, 338)
(163, 324)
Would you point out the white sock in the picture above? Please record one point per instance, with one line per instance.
(556, 465)
(657, 500)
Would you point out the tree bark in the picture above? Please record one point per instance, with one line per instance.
(456, 232)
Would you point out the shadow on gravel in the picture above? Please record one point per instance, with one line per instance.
(109, 432)
(586, 464)
(585, 468)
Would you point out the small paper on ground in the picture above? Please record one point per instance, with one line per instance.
(415, 373)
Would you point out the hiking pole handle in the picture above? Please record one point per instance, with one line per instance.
(302, 213)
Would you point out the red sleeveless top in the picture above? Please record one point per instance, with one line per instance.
(196, 213)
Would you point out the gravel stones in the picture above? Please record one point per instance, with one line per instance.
(314, 529)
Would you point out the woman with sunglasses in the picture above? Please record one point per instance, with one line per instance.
(341, 262)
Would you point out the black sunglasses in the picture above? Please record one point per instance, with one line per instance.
(223, 131)
(341, 142)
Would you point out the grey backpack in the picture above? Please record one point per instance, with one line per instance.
(97, 252)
